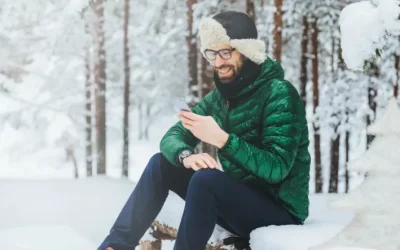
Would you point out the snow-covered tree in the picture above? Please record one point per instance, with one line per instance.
(365, 26)
(376, 200)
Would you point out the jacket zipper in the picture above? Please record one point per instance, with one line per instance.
(227, 104)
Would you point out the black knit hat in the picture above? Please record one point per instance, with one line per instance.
(233, 28)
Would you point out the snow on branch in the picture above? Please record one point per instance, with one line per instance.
(76, 6)
(364, 28)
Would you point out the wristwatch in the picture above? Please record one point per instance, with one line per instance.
(185, 153)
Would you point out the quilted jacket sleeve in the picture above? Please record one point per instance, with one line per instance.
(283, 121)
(178, 138)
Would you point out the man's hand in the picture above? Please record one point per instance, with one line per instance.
(199, 161)
(205, 128)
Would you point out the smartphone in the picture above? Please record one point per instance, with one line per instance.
(180, 104)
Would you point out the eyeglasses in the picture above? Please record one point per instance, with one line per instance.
(225, 54)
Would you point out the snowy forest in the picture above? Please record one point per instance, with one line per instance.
(81, 83)
(87, 87)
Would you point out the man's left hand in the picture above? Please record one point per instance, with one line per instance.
(205, 128)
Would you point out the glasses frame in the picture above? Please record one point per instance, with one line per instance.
(219, 52)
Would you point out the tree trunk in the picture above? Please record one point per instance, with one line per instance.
(315, 76)
(372, 94)
(304, 60)
(347, 160)
(397, 83)
(71, 156)
(88, 105)
(125, 156)
(250, 9)
(278, 22)
(207, 80)
(334, 171)
(342, 68)
(100, 93)
(141, 121)
(192, 55)
(148, 123)
(207, 85)
(335, 142)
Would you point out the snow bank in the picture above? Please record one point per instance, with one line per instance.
(322, 224)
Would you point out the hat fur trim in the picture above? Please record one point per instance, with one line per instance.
(213, 35)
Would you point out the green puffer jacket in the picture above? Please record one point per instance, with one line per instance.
(268, 138)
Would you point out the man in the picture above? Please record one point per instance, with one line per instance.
(257, 121)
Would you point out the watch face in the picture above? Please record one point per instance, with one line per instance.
(186, 153)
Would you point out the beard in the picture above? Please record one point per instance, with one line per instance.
(228, 72)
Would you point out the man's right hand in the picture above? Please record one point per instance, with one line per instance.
(199, 161)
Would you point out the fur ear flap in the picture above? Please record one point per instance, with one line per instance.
(251, 48)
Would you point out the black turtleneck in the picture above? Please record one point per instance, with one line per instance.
(248, 74)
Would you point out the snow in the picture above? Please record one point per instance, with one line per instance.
(383, 154)
(389, 11)
(37, 237)
(364, 26)
(383, 162)
(361, 33)
(75, 6)
(77, 214)
(390, 122)
(322, 224)
(374, 215)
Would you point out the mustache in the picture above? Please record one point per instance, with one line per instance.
(224, 66)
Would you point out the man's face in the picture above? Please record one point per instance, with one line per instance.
(227, 69)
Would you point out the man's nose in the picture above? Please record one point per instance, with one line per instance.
(218, 61)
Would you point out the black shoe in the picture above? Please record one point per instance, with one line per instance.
(240, 243)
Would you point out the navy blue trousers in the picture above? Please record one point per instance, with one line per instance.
(211, 197)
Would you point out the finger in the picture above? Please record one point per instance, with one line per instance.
(187, 126)
(194, 166)
(214, 162)
(202, 163)
(185, 120)
(208, 162)
(192, 116)
(184, 113)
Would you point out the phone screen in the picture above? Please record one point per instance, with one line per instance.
(180, 104)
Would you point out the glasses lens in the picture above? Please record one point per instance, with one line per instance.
(225, 54)
(210, 54)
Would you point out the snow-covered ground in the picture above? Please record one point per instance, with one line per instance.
(44, 208)
(77, 214)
